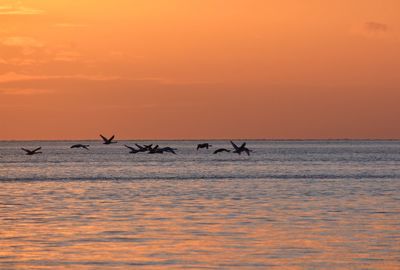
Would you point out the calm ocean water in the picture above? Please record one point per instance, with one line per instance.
(290, 205)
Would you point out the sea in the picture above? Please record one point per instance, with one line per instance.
(289, 205)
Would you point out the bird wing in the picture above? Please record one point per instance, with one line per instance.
(127, 146)
(235, 146)
(104, 138)
(26, 150)
(140, 147)
(112, 138)
(243, 145)
(37, 149)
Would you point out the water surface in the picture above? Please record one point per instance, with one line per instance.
(292, 204)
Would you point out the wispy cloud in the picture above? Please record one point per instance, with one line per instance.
(70, 25)
(14, 84)
(22, 84)
(20, 41)
(15, 77)
(67, 56)
(376, 27)
(25, 92)
(18, 10)
(373, 30)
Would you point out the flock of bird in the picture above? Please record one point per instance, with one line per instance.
(152, 149)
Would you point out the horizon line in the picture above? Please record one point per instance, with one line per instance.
(215, 139)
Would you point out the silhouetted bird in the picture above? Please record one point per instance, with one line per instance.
(203, 145)
(220, 150)
(133, 150)
(80, 146)
(148, 146)
(156, 150)
(241, 149)
(108, 141)
(144, 148)
(169, 149)
(32, 152)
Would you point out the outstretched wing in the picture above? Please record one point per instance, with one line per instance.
(235, 146)
(243, 145)
(26, 150)
(104, 138)
(112, 138)
(139, 146)
(37, 149)
(127, 146)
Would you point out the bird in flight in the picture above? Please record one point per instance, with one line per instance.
(169, 149)
(133, 150)
(220, 150)
(85, 146)
(203, 145)
(108, 141)
(144, 148)
(32, 152)
(156, 150)
(241, 149)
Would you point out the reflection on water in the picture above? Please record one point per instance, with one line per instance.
(210, 224)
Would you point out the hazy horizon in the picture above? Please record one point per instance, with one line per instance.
(209, 139)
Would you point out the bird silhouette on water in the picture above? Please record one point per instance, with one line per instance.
(220, 150)
(144, 148)
(169, 149)
(203, 145)
(133, 149)
(32, 152)
(156, 150)
(241, 149)
(79, 145)
(150, 149)
(108, 141)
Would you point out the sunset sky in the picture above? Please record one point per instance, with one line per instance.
(179, 69)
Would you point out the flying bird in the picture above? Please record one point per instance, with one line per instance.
(108, 141)
(143, 148)
(32, 152)
(133, 150)
(220, 150)
(241, 149)
(156, 150)
(203, 145)
(85, 146)
(169, 149)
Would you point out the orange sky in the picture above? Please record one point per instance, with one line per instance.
(167, 69)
